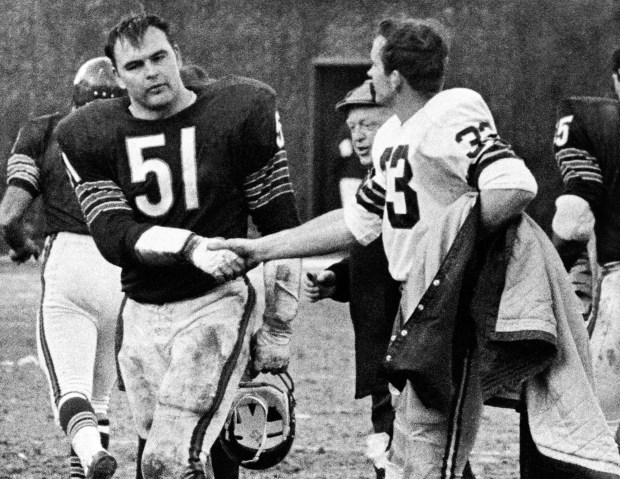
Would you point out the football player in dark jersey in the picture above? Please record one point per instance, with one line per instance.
(159, 175)
(587, 150)
(81, 293)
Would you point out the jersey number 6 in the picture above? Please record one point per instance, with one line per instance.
(140, 168)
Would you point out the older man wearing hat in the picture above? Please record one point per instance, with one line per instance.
(363, 280)
(359, 132)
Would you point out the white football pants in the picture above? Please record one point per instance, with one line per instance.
(80, 303)
(181, 364)
(428, 444)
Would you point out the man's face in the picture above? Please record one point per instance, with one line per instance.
(381, 81)
(149, 71)
(363, 122)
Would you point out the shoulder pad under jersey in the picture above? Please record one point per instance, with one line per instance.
(456, 103)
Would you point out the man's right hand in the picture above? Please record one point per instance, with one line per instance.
(320, 286)
(246, 248)
(222, 264)
(271, 349)
(23, 254)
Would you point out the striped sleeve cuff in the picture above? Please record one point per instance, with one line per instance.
(576, 164)
(268, 183)
(371, 196)
(100, 197)
(23, 171)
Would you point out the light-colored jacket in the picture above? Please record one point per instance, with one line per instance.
(537, 301)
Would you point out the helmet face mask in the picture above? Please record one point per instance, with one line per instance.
(260, 427)
(95, 80)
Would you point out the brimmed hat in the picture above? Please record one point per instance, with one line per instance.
(363, 95)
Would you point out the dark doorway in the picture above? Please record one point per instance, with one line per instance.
(332, 79)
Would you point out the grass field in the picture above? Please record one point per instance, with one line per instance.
(331, 426)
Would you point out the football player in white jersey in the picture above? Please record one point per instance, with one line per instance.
(439, 146)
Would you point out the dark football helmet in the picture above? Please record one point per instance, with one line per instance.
(95, 80)
(260, 427)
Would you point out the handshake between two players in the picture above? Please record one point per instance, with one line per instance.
(223, 259)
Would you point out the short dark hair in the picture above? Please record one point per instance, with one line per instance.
(418, 49)
(132, 28)
(615, 60)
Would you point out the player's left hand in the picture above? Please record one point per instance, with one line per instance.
(320, 286)
(271, 349)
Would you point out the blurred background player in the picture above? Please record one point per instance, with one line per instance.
(81, 294)
(364, 281)
(158, 174)
(587, 150)
(194, 75)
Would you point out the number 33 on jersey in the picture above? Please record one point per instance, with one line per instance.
(401, 199)
(448, 148)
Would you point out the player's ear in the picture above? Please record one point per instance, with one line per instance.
(177, 53)
(396, 80)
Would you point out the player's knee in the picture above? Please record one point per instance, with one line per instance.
(154, 466)
(158, 465)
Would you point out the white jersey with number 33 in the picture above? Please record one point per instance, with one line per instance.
(448, 148)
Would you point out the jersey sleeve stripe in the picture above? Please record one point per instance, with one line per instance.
(272, 196)
(578, 164)
(23, 168)
(277, 178)
(278, 161)
(370, 207)
(268, 183)
(494, 149)
(95, 212)
(371, 196)
(99, 197)
(373, 192)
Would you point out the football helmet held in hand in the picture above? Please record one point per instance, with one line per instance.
(260, 427)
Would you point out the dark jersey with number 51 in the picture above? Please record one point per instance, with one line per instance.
(204, 169)
(587, 149)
